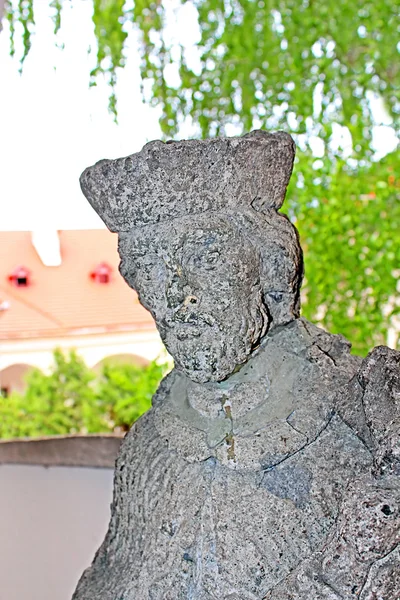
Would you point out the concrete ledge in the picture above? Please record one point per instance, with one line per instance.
(96, 450)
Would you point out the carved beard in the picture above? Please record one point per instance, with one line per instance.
(212, 352)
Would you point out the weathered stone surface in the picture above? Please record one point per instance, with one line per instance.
(268, 465)
(177, 179)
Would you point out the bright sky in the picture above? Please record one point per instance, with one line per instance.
(53, 125)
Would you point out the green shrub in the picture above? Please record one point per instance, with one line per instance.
(72, 399)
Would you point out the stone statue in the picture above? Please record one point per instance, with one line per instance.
(268, 467)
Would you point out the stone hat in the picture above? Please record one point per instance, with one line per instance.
(168, 180)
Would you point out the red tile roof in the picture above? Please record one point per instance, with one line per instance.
(66, 299)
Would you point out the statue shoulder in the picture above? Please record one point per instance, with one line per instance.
(370, 404)
(361, 556)
(164, 388)
(379, 379)
(143, 437)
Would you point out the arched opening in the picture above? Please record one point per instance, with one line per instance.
(12, 378)
(120, 359)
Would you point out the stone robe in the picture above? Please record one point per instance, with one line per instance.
(281, 483)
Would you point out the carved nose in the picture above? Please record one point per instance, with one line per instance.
(176, 290)
(186, 314)
(181, 297)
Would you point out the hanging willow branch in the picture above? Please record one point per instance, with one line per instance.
(22, 14)
(57, 5)
(109, 19)
(255, 55)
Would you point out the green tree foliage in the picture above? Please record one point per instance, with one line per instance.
(71, 399)
(349, 223)
(315, 68)
(128, 390)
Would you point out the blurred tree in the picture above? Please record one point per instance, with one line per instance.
(1, 12)
(327, 71)
(128, 390)
(71, 399)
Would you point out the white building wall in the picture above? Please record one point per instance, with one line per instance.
(93, 348)
(52, 520)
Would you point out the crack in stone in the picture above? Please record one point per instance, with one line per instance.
(284, 578)
(229, 438)
(293, 427)
(365, 582)
(305, 445)
(331, 587)
(326, 353)
(358, 436)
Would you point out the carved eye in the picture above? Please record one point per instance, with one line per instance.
(141, 270)
(212, 258)
(148, 268)
(277, 296)
(207, 260)
(128, 164)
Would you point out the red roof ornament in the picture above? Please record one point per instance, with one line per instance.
(20, 277)
(102, 273)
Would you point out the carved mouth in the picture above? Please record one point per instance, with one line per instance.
(186, 331)
(188, 325)
(191, 319)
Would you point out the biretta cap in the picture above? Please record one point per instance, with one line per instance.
(169, 180)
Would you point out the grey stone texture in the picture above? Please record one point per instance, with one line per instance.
(268, 466)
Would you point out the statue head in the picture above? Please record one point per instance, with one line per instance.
(202, 243)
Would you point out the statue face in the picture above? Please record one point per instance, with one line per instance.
(200, 280)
